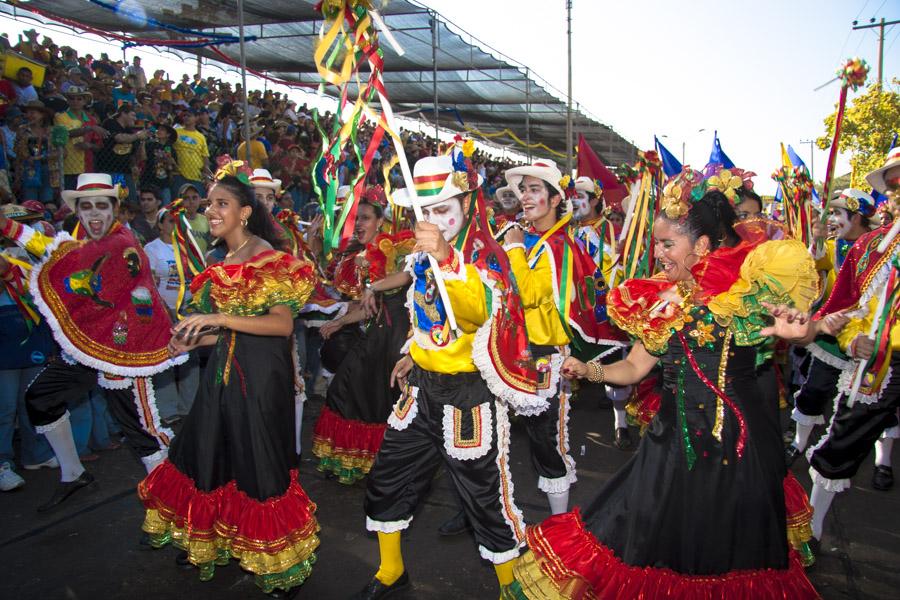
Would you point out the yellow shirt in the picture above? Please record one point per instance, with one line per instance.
(190, 154)
(862, 326)
(467, 297)
(536, 288)
(258, 154)
(73, 159)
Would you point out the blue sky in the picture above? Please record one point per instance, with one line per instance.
(747, 69)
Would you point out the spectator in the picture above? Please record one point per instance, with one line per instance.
(75, 77)
(84, 136)
(144, 223)
(116, 157)
(35, 156)
(70, 58)
(200, 90)
(259, 158)
(190, 195)
(124, 94)
(160, 162)
(175, 388)
(136, 72)
(7, 96)
(191, 152)
(25, 92)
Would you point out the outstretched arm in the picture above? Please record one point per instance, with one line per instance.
(629, 371)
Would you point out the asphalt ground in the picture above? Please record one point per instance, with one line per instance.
(89, 548)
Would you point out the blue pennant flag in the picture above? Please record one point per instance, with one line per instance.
(717, 156)
(798, 162)
(670, 164)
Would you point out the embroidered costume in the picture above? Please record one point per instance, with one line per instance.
(713, 525)
(230, 487)
(101, 303)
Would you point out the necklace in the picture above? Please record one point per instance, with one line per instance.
(238, 249)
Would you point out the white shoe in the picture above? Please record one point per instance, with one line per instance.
(52, 463)
(9, 479)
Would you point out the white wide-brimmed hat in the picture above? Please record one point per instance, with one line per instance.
(876, 177)
(543, 168)
(91, 185)
(262, 178)
(435, 181)
(586, 184)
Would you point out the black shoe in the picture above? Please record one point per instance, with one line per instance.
(815, 546)
(182, 560)
(790, 454)
(623, 438)
(375, 589)
(66, 489)
(883, 478)
(455, 525)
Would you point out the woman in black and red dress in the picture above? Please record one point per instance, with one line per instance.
(351, 425)
(229, 489)
(699, 511)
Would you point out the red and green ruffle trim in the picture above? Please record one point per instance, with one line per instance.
(346, 447)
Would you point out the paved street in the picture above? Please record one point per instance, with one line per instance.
(89, 548)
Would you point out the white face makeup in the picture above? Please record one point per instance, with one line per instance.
(581, 205)
(447, 215)
(265, 196)
(96, 215)
(507, 201)
(839, 223)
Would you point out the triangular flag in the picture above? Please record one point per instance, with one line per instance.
(670, 164)
(590, 165)
(717, 157)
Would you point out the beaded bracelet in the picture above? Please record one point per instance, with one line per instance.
(595, 372)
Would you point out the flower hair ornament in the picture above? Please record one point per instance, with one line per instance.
(465, 176)
(729, 181)
(681, 191)
(568, 186)
(236, 168)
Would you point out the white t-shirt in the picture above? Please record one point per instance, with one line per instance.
(162, 263)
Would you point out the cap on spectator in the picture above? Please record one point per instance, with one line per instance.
(188, 186)
(79, 90)
(12, 112)
(262, 178)
(38, 106)
(91, 185)
(173, 135)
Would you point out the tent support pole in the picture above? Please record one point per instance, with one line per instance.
(434, 83)
(246, 100)
(528, 111)
(569, 94)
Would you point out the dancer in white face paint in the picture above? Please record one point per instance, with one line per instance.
(98, 294)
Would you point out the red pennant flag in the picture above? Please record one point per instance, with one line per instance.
(590, 165)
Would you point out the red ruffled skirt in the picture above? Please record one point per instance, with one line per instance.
(566, 561)
(274, 539)
(346, 447)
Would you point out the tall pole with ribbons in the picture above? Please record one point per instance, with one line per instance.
(349, 39)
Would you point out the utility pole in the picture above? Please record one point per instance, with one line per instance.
(569, 109)
(880, 25)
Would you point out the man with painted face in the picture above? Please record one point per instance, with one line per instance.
(598, 236)
(507, 208)
(555, 276)
(447, 413)
(848, 219)
(97, 293)
(866, 291)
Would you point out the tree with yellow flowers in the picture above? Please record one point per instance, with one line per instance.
(870, 122)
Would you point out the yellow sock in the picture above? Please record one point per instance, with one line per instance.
(505, 572)
(391, 567)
